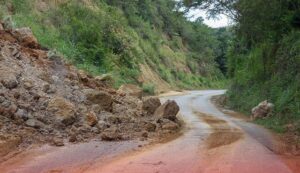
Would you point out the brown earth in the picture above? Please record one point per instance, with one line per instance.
(222, 133)
(148, 76)
(44, 99)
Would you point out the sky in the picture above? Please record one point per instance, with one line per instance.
(214, 23)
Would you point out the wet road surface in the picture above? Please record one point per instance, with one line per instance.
(212, 143)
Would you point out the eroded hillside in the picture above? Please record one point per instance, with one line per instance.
(146, 40)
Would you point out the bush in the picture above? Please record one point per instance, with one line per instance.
(149, 89)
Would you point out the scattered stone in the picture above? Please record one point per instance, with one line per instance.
(131, 90)
(168, 110)
(264, 109)
(151, 104)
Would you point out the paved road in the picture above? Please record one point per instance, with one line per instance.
(212, 143)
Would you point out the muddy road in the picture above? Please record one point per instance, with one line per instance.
(212, 142)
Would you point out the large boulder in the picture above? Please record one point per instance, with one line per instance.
(63, 109)
(168, 110)
(26, 37)
(151, 104)
(264, 109)
(100, 98)
(131, 90)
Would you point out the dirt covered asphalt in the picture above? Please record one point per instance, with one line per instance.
(211, 143)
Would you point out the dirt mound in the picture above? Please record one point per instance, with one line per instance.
(43, 99)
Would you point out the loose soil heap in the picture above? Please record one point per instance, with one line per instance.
(46, 100)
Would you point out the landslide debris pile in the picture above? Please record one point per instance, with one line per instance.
(44, 99)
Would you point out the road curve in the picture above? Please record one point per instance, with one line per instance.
(213, 143)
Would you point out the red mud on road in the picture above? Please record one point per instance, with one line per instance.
(212, 143)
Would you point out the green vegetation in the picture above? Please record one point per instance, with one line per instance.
(149, 89)
(115, 36)
(263, 56)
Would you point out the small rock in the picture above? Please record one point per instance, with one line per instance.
(95, 130)
(73, 138)
(10, 82)
(34, 123)
(21, 114)
(58, 142)
(83, 76)
(145, 134)
(49, 89)
(102, 125)
(2, 99)
(91, 118)
(111, 134)
(28, 85)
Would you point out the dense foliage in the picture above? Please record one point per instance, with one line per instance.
(116, 36)
(264, 60)
(264, 56)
